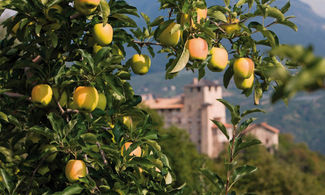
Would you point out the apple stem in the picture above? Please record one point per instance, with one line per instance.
(76, 15)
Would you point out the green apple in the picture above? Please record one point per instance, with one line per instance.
(140, 64)
(244, 83)
(243, 67)
(86, 7)
(219, 59)
(170, 36)
(103, 34)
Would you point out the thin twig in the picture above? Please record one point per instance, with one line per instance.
(142, 43)
(101, 152)
(37, 59)
(218, 25)
(12, 94)
(71, 111)
(74, 16)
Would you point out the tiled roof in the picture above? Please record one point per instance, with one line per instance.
(164, 103)
(253, 126)
(263, 124)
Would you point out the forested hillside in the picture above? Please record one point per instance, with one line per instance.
(293, 169)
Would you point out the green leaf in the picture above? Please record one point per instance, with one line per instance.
(218, 15)
(286, 7)
(227, 76)
(227, 2)
(245, 145)
(242, 171)
(126, 19)
(157, 21)
(105, 10)
(229, 106)
(88, 59)
(221, 127)
(213, 178)
(54, 39)
(290, 24)
(38, 29)
(250, 3)
(240, 3)
(56, 122)
(71, 190)
(4, 117)
(223, 9)
(275, 13)
(146, 18)
(245, 124)
(182, 60)
(7, 180)
(89, 138)
(251, 111)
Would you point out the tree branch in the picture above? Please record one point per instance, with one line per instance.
(101, 152)
(143, 43)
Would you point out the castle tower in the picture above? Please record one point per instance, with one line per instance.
(200, 106)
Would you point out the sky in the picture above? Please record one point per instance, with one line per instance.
(317, 5)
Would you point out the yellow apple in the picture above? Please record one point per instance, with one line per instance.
(198, 48)
(169, 38)
(42, 94)
(103, 34)
(232, 27)
(243, 67)
(101, 101)
(201, 14)
(86, 7)
(219, 59)
(244, 83)
(140, 64)
(85, 98)
(75, 169)
(136, 152)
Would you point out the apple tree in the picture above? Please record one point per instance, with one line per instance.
(69, 117)
(69, 121)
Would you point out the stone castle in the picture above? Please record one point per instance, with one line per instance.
(194, 110)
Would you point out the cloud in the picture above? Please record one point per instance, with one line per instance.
(317, 5)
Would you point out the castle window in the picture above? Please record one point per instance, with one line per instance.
(266, 141)
(209, 88)
(191, 89)
(199, 89)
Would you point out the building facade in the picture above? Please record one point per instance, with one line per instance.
(194, 111)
